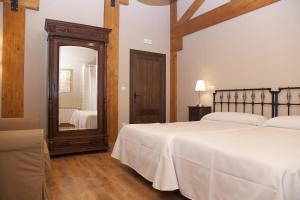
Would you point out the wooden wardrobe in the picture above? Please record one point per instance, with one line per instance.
(76, 89)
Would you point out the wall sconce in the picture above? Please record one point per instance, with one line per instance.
(14, 5)
(113, 3)
(200, 87)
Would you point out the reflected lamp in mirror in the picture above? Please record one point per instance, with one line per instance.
(200, 87)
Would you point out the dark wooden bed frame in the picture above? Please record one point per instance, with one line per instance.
(262, 97)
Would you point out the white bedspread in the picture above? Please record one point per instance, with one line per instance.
(84, 119)
(146, 147)
(260, 164)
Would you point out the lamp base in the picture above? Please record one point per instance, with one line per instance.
(199, 100)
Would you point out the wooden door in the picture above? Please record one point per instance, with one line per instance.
(147, 87)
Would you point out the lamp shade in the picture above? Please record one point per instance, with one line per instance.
(200, 86)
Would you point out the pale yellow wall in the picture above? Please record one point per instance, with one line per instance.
(259, 49)
(139, 22)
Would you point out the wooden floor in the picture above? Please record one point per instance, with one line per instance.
(99, 177)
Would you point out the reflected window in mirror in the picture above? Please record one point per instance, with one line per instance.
(65, 80)
(78, 87)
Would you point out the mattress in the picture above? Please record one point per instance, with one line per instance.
(147, 147)
(84, 119)
(248, 164)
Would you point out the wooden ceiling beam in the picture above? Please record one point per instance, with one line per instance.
(225, 12)
(112, 21)
(13, 61)
(124, 2)
(13, 57)
(30, 4)
(176, 44)
(191, 11)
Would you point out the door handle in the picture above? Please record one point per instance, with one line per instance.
(135, 95)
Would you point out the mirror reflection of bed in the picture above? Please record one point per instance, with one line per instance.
(77, 88)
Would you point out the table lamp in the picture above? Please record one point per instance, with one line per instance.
(200, 87)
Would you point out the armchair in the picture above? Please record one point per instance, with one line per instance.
(24, 159)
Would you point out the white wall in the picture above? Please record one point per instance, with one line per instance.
(259, 49)
(139, 21)
(36, 66)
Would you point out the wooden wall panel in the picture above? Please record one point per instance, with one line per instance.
(124, 2)
(111, 20)
(175, 44)
(191, 11)
(30, 4)
(13, 61)
(173, 86)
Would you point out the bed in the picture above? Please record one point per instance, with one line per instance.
(249, 164)
(146, 147)
(164, 153)
(84, 119)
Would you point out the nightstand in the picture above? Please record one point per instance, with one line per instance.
(196, 113)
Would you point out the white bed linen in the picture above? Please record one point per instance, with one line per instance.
(146, 147)
(289, 122)
(260, 164)
(84, 119)
(236, 117)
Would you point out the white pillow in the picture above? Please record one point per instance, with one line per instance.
(242, 118)
(289, 122)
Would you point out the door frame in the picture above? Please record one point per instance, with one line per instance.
(163, 85)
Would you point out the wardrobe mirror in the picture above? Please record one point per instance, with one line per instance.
(78, 86)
